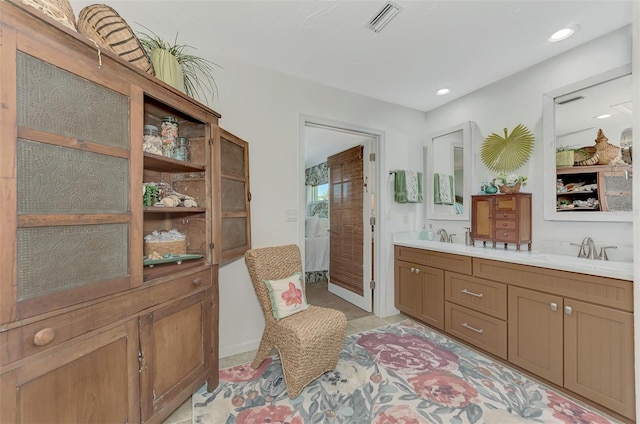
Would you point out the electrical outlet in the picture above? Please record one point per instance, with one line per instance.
(291, 215)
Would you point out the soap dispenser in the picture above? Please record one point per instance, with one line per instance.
(423, 233)
(430, 232)
(467, 236)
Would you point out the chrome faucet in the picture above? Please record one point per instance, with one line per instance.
(591, 253)
(444, 237)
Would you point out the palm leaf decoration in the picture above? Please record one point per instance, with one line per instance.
(508, 153)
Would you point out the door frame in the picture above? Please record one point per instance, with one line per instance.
(378, 146)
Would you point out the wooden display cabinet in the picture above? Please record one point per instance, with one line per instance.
(613, 187)
(89, 333)
(501, 218)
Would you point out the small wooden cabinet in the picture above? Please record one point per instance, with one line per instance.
(501, 218)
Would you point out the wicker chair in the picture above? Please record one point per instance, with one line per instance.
(309, 342)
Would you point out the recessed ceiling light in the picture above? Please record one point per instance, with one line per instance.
(443, 92)
(603, 116)
(563, 34)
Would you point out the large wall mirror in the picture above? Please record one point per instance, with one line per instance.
(448, 171)
(580, 181)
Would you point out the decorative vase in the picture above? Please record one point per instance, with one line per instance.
(564, 159)
(491, 189)
(167, 68)
(510, 189)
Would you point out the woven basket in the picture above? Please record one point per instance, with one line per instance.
(102, 24)
(60, 10)
(510, 190)
(162, 248)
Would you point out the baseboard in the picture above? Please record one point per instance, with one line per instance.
(239, 348)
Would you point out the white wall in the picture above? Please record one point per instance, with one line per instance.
(264, 108)
(518, 100)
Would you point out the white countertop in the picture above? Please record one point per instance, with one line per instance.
(611, 269)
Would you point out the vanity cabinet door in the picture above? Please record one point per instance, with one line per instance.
(482, 218)
(419, 292)
(598, 355)
(535, 332)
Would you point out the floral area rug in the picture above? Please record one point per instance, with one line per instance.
(400, 373)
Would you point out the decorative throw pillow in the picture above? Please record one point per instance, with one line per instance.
(287, 297)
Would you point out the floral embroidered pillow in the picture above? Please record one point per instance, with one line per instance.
(287, 297)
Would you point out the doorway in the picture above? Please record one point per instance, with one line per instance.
(320, 140)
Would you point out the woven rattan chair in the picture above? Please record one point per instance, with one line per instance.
(309, 342)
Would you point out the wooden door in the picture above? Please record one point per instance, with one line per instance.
(535, 332)
(598, 356)
(235, 196)
(176, 354)
(482, 218)
(408, 289)
(346, 203)
(94, 380)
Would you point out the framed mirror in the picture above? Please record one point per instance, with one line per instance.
(585, 125)
(448, 171)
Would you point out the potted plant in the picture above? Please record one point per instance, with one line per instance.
(509, 183)
(564, 156)
(174, 65)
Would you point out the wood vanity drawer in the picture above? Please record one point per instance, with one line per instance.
(446, 261)
(480, 330)
(35, 337)
(505, 225)
(510, 236)
(474, 293)
(505, 215)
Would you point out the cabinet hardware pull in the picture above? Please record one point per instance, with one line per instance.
(44, 336)
(505, 234)
(477, 330)
(554, 306)
(417, 270)
(465, 291)
(413, 269)
(568, 310)
(504, 224)
(197, 281)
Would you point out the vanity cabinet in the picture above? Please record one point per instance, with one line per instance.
(573, 330)
(501, 218)
(419, 277)
(90, 331)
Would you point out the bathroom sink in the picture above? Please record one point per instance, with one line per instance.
(575, 264)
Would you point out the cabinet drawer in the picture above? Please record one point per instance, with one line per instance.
(505, 215)
(474, 293)
(35, 337)
(505, 225)
(506, 235)
(446, 261)
(480, 330)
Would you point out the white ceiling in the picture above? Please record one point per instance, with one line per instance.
(462, 45)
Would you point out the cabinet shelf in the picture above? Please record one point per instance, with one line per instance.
(153, 162)
(571, 193)
(160, 209)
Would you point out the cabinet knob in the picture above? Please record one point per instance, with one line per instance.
(505, 234)
(504, 224)
(417, 270)
(197, 281)
(44, 336)
(568, 310)
(554, 306)
(413, 269)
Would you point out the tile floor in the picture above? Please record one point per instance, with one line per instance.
(317, 294)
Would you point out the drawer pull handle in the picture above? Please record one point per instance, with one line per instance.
(417, 270)
(554, 307)
(44, 336)
(477, 330)
(413, 270)
(465, 291)
(504, 224)
(197, 281)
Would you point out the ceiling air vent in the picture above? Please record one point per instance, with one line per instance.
(383, 17)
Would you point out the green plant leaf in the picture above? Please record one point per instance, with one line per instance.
(508, 153)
